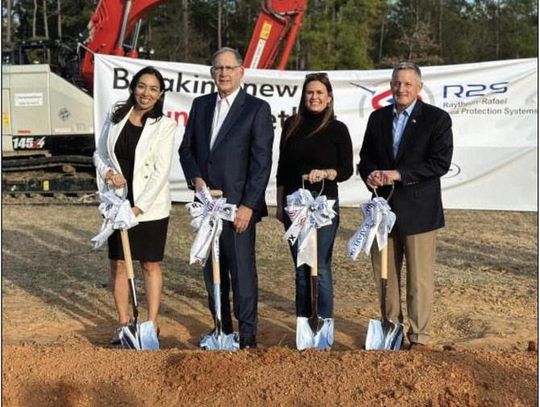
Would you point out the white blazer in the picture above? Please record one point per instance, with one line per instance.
(153, 156)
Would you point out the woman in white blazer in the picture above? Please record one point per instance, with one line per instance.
(134, 152)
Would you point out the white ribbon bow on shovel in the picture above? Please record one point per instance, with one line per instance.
(117, 214)
(378, 221)
(208, 216)
(307, 214)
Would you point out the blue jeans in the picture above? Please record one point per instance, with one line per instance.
(325, 248)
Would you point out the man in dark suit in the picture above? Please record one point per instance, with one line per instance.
(227, 145)
(409, 144)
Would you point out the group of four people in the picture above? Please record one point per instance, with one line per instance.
(227, 145)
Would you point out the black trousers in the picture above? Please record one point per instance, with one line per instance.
(237, 270)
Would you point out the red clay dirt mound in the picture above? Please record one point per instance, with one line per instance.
(58, 315)
(81, 375)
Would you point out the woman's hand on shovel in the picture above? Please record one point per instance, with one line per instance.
(115, 179)
(317, 176)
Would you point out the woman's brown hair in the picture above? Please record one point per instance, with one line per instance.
(328, 114)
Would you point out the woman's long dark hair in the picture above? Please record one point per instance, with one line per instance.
(122, 108)
(328, 114)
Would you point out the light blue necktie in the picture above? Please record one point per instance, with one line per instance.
(398, 125)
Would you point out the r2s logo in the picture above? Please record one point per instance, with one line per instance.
(28, 143)
(474, 90)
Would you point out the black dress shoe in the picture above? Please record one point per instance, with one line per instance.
(115, 339)
(248, 342)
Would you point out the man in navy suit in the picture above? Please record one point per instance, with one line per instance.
(409, 144)
(227, 145)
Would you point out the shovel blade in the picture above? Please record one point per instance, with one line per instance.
(144, 337)
(379, 338)
(215, 341)
(306, 338)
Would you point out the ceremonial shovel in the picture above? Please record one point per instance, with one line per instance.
(135, 336)
(384, 335)
(378, 223)
(314, 332)
(217, 339)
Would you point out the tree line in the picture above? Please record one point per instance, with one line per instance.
(335, 34)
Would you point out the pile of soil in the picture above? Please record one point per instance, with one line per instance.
(81, 375)
(58, 315)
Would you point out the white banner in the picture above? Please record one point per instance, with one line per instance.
(493, 107)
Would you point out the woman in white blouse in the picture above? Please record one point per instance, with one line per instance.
(135, 152)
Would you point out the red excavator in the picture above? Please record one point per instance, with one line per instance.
(47, 122)
(114, 21)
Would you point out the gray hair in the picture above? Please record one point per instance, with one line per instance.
(408, 65)
(222, 50)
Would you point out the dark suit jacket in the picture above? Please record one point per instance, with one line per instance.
(241, 158)
(424, 155)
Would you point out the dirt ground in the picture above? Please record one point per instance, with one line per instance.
(58, 315)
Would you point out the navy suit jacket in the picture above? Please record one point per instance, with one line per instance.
(424, 156)
(240, 160)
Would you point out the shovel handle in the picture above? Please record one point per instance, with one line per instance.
(384, 262)
(315, 267)
(314, 320)
(131, 278)
(127, 253)
(216, 278)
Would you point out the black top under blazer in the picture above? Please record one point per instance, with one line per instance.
(424, 156)
(240, 161)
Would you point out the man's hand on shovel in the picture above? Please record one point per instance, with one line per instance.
(379, 178)
(198, 183)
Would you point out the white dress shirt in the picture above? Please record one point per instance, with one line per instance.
(223, 105)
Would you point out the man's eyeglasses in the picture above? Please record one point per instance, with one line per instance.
(225, 68)
(316, 75)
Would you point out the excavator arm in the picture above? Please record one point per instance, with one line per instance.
(114, 20)
(275, 33)
(111, 23)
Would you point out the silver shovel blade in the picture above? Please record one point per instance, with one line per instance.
(377, 339)
(214, 341)
(145, 337)
(306, 338)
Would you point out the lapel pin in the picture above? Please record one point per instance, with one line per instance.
(414, 121)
